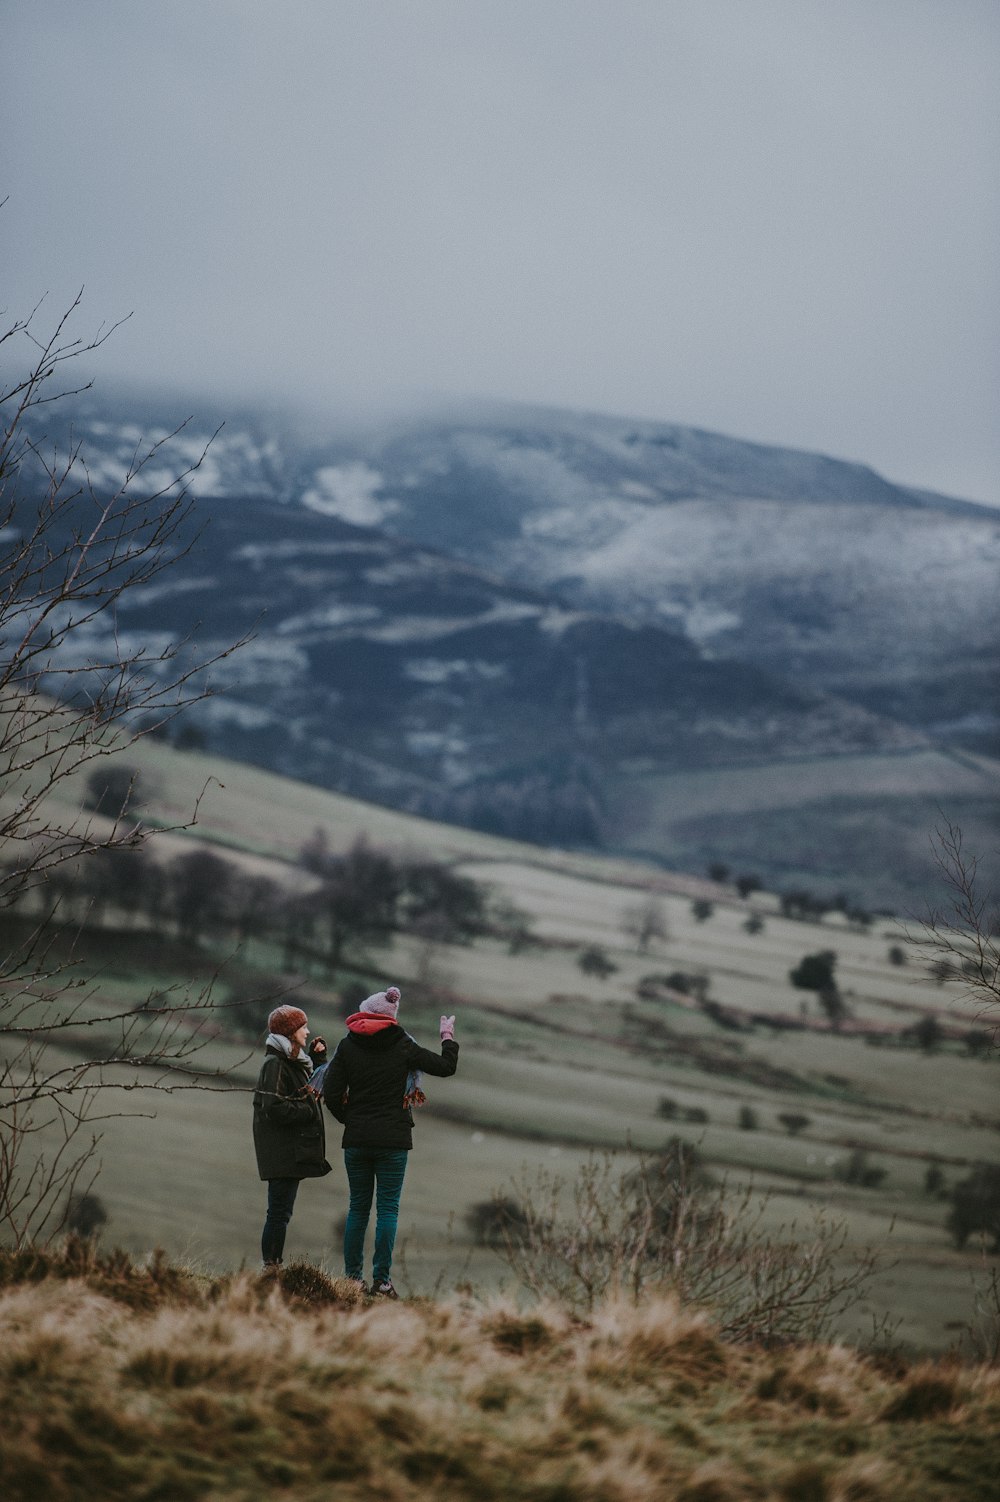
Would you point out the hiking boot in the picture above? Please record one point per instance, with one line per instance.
(384, 1290)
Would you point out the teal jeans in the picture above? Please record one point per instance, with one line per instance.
(372, 1171)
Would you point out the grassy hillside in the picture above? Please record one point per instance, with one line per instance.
(150, 1383)
(556, 1062)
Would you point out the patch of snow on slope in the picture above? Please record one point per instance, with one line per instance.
(591, 523)
(326, 616)
(264, 661)
(533, 471)
(148, 594)
(350, 491)
(425, 628)
(440, 670)
(260, 553)
(557, 620)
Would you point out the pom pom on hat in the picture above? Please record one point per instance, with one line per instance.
(383, 1003)
(286, 1020)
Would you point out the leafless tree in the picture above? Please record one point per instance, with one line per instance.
(644, 922)
(72, 693)
(961, 940)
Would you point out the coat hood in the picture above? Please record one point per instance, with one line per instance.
(373, 1032)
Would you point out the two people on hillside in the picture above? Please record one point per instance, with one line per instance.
(370, 1085)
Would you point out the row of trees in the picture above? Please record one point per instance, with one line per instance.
(340, 903)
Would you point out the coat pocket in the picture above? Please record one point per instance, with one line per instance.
(308, 1149)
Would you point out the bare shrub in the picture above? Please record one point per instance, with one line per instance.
(794, 1122)
(627, 1225)
(85, 1215)
(983, 1330)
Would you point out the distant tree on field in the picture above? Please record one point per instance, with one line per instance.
(975, 1206)
(358, 900)
(315, 853)
(832, 1001)
(977, 1041)
(644, 922)
(858, 1170)
(754, 924)
(85, 1214)
(718, 871)
(496, 1222)
(702, 909)
(200, 884)
(897, 954)
(927, 1033)
(747, 885)
(441, 903)
(594, 961)
(748, 1119)
(814, 971)
(794, 1122)
(510, 924)
(934, 1179)
(696, 985)
(116, 791)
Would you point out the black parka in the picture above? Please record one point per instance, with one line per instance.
(289, 1135)
(370, 1070)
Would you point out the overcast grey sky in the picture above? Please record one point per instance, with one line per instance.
(775, 218)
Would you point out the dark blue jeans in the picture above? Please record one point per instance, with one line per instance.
(370, 1169)
(280, 1204)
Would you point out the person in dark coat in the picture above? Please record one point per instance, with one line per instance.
(371, 1085)
(289, 1136)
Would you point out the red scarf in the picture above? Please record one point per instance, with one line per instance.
(368, 1022)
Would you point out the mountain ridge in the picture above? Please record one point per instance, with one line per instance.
(529, 629)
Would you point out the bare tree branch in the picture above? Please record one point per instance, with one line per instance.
(72, 692)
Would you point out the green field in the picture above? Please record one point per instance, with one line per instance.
(555, 1063)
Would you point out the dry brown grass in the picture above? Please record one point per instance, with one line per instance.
(296, 1387)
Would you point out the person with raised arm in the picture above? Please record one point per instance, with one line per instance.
(371, 1086)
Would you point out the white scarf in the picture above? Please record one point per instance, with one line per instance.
(278, 1040)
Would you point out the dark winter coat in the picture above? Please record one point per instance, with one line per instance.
(371, 1070)
(289, 1134)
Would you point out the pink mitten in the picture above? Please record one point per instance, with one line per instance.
(447, 1028)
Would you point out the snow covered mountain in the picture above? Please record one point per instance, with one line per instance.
(580, 629)
(808, 567)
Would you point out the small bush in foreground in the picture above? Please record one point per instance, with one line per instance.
(628, 1227)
